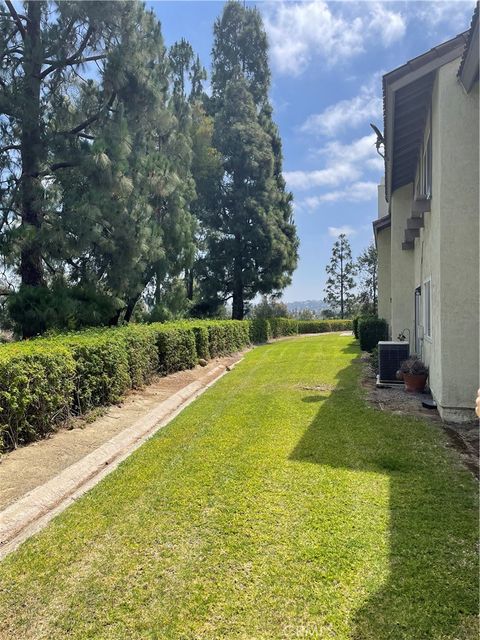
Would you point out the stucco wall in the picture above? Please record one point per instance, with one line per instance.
(457, 179)
(402, 266)
(384, 274)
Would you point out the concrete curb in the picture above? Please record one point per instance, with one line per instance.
(35, 509)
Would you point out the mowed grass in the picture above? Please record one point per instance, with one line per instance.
(277, 506)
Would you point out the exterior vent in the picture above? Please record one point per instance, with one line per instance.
(390, 355)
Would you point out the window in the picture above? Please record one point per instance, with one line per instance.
(427, 308)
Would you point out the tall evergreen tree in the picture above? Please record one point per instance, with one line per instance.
(43, 54)
(368, 272)
(112, 187)
(251, 242)
(340, 282)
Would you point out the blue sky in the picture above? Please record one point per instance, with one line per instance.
(327, 59)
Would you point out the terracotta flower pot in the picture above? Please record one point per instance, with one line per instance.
(415, 383)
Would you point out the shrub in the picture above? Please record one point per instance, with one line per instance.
(200, 331)
(355, 322)
(371, 331)
(142, 353)
(176, 348)
(227, 336)
(283, 327)
(102, 372)
(36, 389)
(42, 380)
(260, 330)
(323, 326)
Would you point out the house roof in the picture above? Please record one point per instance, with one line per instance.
(381, 223)
(468, 70)
(407, 94)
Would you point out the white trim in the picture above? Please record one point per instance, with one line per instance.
(427, 327)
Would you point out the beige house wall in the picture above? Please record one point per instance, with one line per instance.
(384, 274)
(402, 286)
(458, 208)
(446, 253)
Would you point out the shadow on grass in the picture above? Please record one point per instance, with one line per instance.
(431, 592)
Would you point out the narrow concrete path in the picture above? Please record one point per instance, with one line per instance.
(34, 493)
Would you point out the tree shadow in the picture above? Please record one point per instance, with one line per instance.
(431, 591)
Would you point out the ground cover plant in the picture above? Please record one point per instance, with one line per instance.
(277, 506)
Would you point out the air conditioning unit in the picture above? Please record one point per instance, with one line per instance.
(390, 355)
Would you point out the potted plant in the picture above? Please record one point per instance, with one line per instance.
(415, 374)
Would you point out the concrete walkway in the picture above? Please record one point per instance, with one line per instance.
(38, 483)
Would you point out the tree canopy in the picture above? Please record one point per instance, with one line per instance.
(122, 181)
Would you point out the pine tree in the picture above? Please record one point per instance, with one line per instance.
(368, 271)
(42, 54)
(251, 242)
(340, 282)
(112, 184)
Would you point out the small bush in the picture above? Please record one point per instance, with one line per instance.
(371, 331)
(36, 389)
(260, 330)
(355, 322)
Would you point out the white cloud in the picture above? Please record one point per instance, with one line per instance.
(330, 176)
(365, 106)
(338, 231)
(345, 163)
(455, 14)
(388, 24)
(355, 192)
(300, 32)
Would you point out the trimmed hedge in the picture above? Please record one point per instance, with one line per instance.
(36, 390)
(283, 327)
(355, 322)
(323, 326)
(176, 348)
(43, 381)
(371, 331)
(260, 330)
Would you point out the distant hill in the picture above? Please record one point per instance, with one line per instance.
(317, 306)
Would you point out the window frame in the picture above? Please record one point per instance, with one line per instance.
(427, 308)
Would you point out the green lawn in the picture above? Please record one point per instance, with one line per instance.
(277, 506)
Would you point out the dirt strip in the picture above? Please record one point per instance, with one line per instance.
(34, 509)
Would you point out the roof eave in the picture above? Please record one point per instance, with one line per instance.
(405, 75)
(469, 67)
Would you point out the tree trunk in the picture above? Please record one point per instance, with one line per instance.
(189, 281)
(131, 308)
(113, 322)
(31, 267)
(341, 287)
(237, 302)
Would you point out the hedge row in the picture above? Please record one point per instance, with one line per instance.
(43, 381)
(323, 326)
(262, 329)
